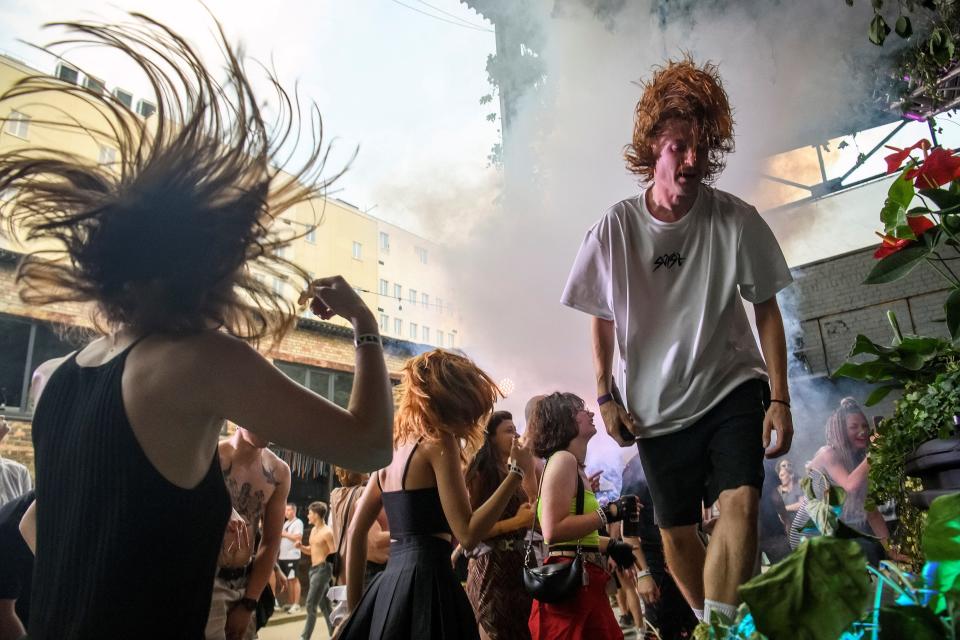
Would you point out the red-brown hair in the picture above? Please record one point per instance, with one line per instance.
(682, 91)
(443, 391)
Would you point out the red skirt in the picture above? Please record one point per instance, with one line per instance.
(587, 616)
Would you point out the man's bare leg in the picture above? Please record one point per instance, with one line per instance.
(732, 551)
(686, 558)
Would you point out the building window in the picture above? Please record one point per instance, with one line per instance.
(413, 330)
(332, 385)
(384, 241)
(440, 305)
(384, 287)
(397, 291)
(421, 254)
(311, 236)
(357, 251)
(123, 97)
(384, 323)
(397, 327)
(146, 108)
(24, 346)
(67, 73)
(439, 338)
(96, 85)
(278, 286)
(108, 156)
(426, 334)
(451, 341)
(425, 300)
(413, 296)
(18, 124)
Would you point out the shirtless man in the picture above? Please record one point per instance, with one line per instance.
(321, 545)
(258, 482)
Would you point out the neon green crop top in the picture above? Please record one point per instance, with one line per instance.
(590, 504)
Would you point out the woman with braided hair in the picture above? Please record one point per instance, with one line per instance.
(160, 246)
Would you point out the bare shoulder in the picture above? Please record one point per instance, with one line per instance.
(444, 448)
(562, 462)
(825, 454)
(275, 465)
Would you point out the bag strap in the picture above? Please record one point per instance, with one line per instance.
(346, 516)
(581, 497)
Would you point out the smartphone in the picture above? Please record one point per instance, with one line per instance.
(624, 432)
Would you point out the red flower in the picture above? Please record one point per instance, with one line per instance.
(918, 224)
(939, 168)
(894, 160)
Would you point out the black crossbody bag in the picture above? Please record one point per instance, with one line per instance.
(557, 582)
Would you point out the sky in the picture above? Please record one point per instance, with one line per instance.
(401, 87)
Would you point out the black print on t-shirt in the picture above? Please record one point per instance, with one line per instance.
(669, 261)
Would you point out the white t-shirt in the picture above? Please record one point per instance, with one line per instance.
(671, 290)
(288, 548)
(14, 480)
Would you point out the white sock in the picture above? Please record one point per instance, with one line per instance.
(728, 611)
(699, 614)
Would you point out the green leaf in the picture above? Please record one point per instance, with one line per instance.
(876, 371)
(863, 344)
(901, 191)
(903, 27)
(895, 325)
(941, 539)
(878, 30)
(913, 621)
(879, 394)
(952, 307)
(943, 198)
(897, 265)
(824, 575)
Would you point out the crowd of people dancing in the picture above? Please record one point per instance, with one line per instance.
(143, 524)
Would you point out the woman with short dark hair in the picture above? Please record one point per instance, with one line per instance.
(161, 245)
(559, 430)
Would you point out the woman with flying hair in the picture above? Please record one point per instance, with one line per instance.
(843, 462)
(444, 401)
(570, 517)
(162, 246)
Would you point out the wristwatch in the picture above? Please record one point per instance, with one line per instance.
(248, 603)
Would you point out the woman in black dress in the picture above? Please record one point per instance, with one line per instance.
(444, 400)
(160, 245)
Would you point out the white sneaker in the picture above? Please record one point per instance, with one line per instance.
(294, 609)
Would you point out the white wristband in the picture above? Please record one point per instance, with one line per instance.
(603, 516)
(643, 574)
(368, 338)
(513, 467)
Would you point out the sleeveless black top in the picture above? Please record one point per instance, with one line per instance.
(121, 551)
(413, 512)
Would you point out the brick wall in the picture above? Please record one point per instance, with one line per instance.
(832, 305)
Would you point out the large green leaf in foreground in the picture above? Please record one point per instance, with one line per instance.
(813, 594)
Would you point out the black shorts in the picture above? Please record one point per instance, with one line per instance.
(722, 450)
(288, 566)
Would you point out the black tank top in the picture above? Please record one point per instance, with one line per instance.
(121, 551)
(413, 512)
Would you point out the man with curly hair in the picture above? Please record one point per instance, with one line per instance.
(664, 272)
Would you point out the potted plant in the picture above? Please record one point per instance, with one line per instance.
(921, 219)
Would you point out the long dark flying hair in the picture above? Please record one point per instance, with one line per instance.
(163, 239)
(484, 473)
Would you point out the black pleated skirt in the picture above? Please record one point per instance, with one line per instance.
(416, 596)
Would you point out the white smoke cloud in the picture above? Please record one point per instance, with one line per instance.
(789, 69)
